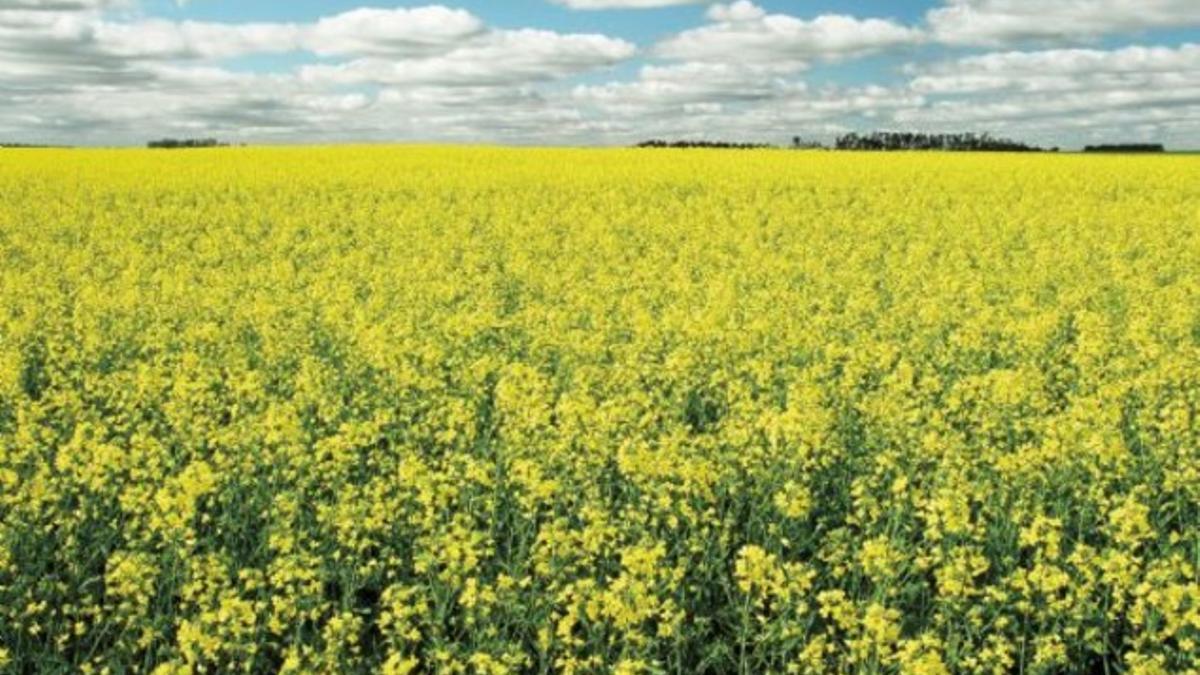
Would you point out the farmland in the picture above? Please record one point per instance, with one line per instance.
(474, 410)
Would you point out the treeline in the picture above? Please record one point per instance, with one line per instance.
(900, 140)
(182, 143)
(1127, 147)
(877, 141)
(801, 143)
(703, 144)
(28, 145)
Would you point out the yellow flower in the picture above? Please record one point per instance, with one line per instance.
(793, 500)
(881, 624)
(1140, 664)
(1130, 523)
(878, 559)
(172, 669)
(398, 664)
(928, 663)
(1049, 650)
(756, 571)
(631, 667)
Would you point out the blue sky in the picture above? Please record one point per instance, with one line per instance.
(566, 72)
(641, 25)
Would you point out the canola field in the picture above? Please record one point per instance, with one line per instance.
(470, 410)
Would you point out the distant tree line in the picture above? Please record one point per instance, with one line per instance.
(877, 140)
(1127, 147)
(900, 140)
(703, 144)
(182, 143)
(28, 145)
(801, 143)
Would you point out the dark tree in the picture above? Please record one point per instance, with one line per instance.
(800, 143)
(182, 143)
(722, 145)
(28, 145)
(1127, 147)
(957, 142)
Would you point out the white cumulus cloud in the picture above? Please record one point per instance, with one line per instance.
(1061, 70)
(392, 31)
(499, 57)
(744, 32)
(991, 22)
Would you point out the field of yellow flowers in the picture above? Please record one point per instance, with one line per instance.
(454, 410)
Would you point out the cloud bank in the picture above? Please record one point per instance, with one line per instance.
(105, 71)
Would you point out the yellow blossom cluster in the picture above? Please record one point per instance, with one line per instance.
(478, 410)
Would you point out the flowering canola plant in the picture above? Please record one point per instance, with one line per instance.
(472, 410)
